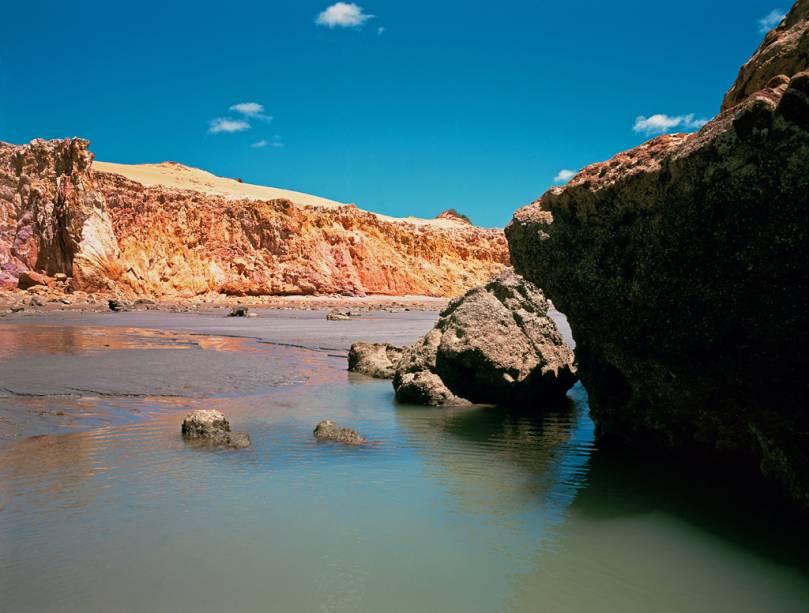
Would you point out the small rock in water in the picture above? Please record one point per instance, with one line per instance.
(376, 360)
(212, 427)
(338, 316)
(327, 430)
(238, 312)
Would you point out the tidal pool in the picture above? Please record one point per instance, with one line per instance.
(478, 509)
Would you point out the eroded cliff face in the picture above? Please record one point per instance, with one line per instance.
(52, 218)
(113, 233)
(683, 268)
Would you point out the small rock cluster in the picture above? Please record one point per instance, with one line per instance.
(209, 427)
(496, 344)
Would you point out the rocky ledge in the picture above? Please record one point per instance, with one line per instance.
(683, 268)
(496, 344)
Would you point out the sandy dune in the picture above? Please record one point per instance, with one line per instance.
(178, 176)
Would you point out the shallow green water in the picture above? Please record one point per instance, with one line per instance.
(447, 510)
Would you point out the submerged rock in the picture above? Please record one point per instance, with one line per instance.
(376, 360)
(338, 316)
(327, 430)
(210, 427)
(683, 268)
(496, 344)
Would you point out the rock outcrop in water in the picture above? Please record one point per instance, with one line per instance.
(376, 360)
(210, 427)
(328, 431)
(683, 268)
(496, 344)
(109, 232)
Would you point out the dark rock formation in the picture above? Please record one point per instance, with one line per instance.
(683, 268)
(495, 344)
(376, 360)
(210, 427)
(116, 305)
(238, 312)
(327, 430)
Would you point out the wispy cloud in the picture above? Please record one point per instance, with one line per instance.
(253, 110)
(276, 142)
(380, 30)
(770, 20)
(564, 175)
(343, 15)
(226, 124)
(660, 124)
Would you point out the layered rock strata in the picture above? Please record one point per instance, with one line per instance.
(110, 232)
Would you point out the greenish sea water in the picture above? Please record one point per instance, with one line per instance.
(478, 509)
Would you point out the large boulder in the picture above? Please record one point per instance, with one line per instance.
(211, 427)
(376, 360)
(683, 268)
(496, 344)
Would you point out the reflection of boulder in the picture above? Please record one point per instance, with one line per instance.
(499, 460)
(211, 427)
(376, 360)
(496, 344)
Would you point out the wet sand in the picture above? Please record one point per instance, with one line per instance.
(64, 371)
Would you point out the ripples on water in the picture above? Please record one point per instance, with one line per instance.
(446, 510)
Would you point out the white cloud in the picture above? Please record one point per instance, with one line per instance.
(343, 15)
(275, 142)
(380, 30)
(248, 108)
(254, 110)
(563, 176)
(225, 124)
(660, 124)
(769, 21)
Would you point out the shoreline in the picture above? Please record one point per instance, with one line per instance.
(19, 303)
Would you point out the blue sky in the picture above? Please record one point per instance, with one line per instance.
(406, 108)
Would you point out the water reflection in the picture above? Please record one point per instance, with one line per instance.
(20, 340)
(479, 509)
